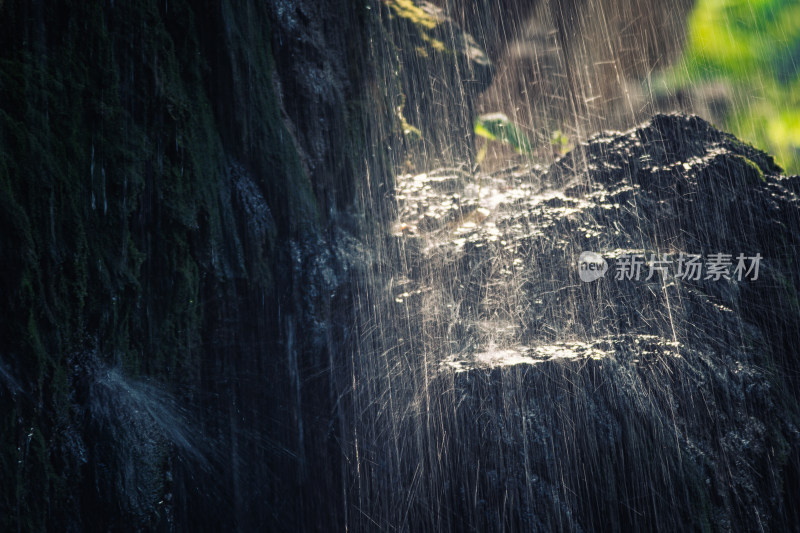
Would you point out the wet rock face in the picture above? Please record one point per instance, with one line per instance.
(658, 402)
(442, 69)
(178, 188)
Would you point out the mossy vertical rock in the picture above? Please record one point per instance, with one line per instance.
(442, 69)
(162, 167)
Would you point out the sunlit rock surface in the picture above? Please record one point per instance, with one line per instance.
(618, 404)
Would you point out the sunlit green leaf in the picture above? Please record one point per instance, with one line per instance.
(497, 127)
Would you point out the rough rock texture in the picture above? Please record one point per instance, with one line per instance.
(174, 178)
(553, 404)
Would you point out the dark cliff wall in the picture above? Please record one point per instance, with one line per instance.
(169, 174)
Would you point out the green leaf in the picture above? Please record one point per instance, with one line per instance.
(497, 127)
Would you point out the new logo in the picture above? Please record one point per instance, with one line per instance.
(591, 266)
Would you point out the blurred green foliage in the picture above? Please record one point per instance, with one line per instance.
(753, 47)
(560, 143)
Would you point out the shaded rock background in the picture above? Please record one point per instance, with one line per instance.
(576, 66)
(442, 70)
